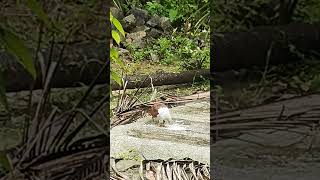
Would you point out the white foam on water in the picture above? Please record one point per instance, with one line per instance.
(176, 127)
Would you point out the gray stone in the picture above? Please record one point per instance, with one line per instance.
(154, 33)
(117, 13)
(129, 22)
(188, 136)
(154, 57)
(154, 21)
(123, 165)
(165, 24)
(285, 155)
(123, 51)
(141, 15)
(137, 38)
(140, 28)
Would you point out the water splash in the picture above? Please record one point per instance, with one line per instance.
(176, 127)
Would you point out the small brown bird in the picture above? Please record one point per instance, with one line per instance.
(161, 113)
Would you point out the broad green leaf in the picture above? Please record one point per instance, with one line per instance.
(38, 10)
(5, 162)
(17, 47)
(115, 57)
(173, 14)
(114, 53)
(116, 77)
(3, 97)
(116, 37)
(117, 24)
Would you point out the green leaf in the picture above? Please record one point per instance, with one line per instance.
(173, 14)
(115, 57)
(16, 47)
(38, 10)
(116, 37)
(114, 53)
(3, 97)
(116, 77)
(117, 24)
(5, 162)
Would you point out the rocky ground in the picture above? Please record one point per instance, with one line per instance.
(238, 159)
(187, 137)
(268, 154)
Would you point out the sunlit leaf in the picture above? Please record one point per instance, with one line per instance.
(117, 24)
(114, 53)
(116, 77)
(17, 47)
(173, 14)
(115, 57)
(116, 37)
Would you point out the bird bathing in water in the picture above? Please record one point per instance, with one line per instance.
(160, 114)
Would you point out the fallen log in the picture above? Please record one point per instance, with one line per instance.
(81, 63)
(236, 50)
(163, 79)
(80, 66)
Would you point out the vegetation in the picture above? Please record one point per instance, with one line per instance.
(242, 15)
(39, 116)
(178, 11)
(276, 81)
(185, 48)
(114, 55)
(177, 50)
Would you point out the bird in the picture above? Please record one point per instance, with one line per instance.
(160, 113)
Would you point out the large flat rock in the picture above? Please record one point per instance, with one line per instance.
(188, 136)
(267, 155)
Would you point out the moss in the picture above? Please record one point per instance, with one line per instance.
(130, 154)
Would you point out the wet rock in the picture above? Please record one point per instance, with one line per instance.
(123, 165)
(188, 136)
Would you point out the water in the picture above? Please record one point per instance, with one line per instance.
(178, 125)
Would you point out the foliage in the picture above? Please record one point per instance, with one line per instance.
(5, 162)
(178, 49)
(155, 8)
(17, 47)
(114, 55)
(308, 11)
(44, 114)
(242, 15)
(179, 12)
